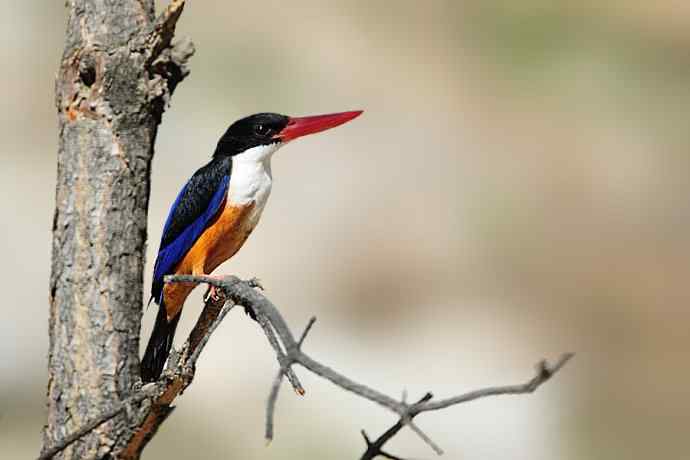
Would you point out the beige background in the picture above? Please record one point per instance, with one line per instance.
(517, 187)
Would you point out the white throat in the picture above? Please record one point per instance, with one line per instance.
(250, 178)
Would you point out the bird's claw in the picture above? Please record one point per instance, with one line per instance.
(212, 294)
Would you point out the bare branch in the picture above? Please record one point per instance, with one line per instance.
(283, 361)
(146, 392)
(191, 363)
(163, 28)
(306, 331)
(177, 377)
(424, 437)
(242, 292)
(181, 369)
(544, 373)
(275, 387)
(271, 405)
(375, 448)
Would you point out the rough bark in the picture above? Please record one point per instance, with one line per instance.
(116, 74)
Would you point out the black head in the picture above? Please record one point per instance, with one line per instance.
(252, 131)
(271, 128)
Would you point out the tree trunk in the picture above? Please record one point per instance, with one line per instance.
(117, 72)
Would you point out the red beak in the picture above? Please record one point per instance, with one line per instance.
(301, 126)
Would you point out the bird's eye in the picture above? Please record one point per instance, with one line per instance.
(261, 130)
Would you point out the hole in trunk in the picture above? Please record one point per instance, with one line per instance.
(87, 75)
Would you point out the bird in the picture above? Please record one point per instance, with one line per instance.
(216, 211)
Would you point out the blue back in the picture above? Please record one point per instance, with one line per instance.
(174, 251)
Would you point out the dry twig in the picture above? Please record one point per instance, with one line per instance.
(241, 292)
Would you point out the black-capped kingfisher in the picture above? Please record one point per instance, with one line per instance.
(215, 212)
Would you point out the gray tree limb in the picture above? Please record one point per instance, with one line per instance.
(157, 397)
(544, 373)
(278, 380)
(243, 293)
(115, 77)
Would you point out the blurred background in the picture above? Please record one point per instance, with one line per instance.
(517, 187)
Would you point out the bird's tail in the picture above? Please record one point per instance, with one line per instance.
(159, 345)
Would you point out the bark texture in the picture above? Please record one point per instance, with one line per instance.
(116, 74)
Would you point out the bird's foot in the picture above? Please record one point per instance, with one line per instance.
(212, 294)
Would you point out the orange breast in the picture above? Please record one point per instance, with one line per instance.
(220, 241)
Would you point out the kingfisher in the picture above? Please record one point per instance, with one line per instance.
(216, 211)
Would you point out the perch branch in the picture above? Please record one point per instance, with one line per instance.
(243, 293)
(156, 398)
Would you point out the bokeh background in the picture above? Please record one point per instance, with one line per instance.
(517, 187)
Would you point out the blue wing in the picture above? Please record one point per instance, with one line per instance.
(196, 205)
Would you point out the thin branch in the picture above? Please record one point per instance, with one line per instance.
(275, 387)
(178, 376)
(544, 373)
(375, 448)
(271, 405)
(306, 331)
(423, 436)
(282, 358)
(163, 28)
(191, 363)
(146, 391)
(243, 293)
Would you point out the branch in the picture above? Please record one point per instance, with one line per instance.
(166, 62)
(156, 398)
(275, 388)
(374, 449)
(163, 29)
(282, 358)
(146, 392)
(182, 365)
(178, 375)
(242, 292)
(544, 373)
